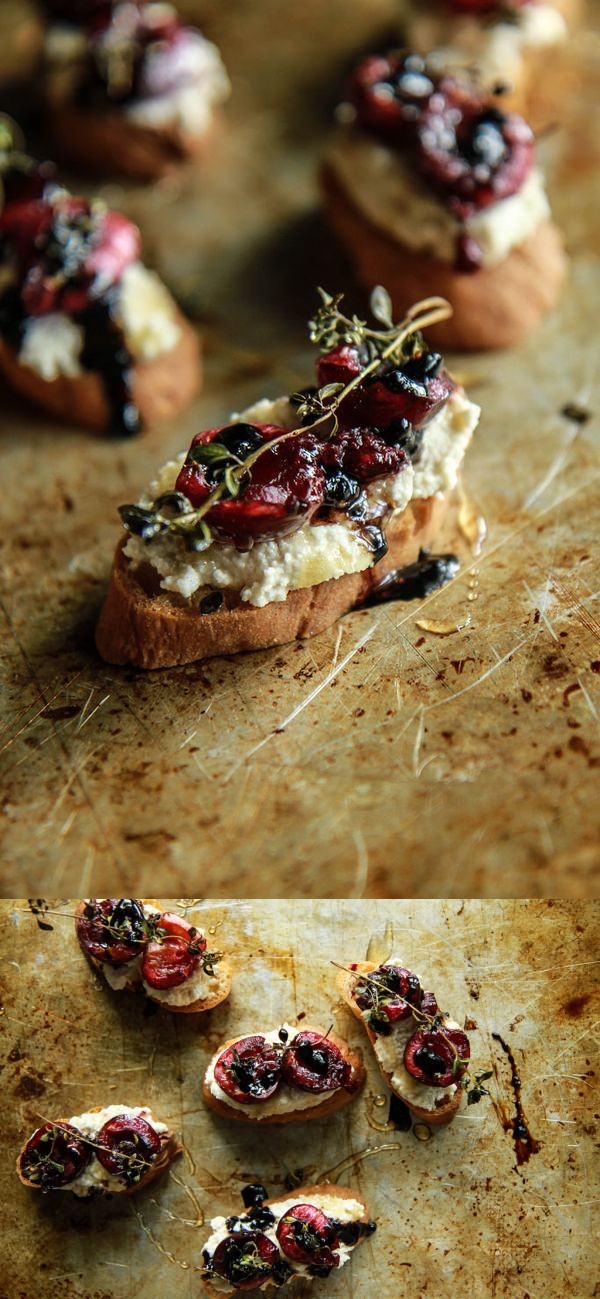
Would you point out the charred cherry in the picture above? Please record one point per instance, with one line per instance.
(246, 1259)
(307, 1236)
(112, 929)
(126, 1147)
(315, 1064)
(54, 1156)
(386, 995)
(429, 1004)
(173, 953)
(415, 390)
(473, 153)
(250, 1070)
(437, 1058)
(388, 93)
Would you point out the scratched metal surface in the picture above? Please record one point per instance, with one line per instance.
(378, 758)
(455, 1214)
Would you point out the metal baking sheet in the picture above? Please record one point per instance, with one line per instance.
(379, 758)
(456, 1215)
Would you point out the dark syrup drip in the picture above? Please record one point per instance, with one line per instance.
(525, 1144)
(105, 352)
(416, 581)
(399, 1114)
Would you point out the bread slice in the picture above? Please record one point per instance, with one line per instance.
(150, 628)
(160, 388)
(444, 1112)
(300, 1194)
(170, 1149)
(332, 1101)
(220, 992)
(110, 143)
(494, 307)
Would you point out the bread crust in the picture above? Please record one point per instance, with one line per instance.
(152, 630)
(494, 307)
(303, 1193)
(111, 143)
(332, 1101)
(170, 1149)
(160, 388)
(442, 1113)
(220, 993)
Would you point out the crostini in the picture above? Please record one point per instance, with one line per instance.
(136, 946)
(87, 332)
(273, 526)
(288, 1074)
(130, 88)
(518, 47)
(431, 187)
(422, 1054)
(115, 1150)
(308, 1234)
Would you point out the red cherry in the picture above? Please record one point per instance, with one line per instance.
(174, 954)
(315, 1064)
(339, 366)
(429, 1004)
(471, 151)
(437, 1057)
(117, 245)
(387, 994)
(388, 92)
(112, 929)
(307, 1236)
(54, 1156)
(363, 455)
(415, 390)
(249, 1071)
(126, 1146)
(246, 1259)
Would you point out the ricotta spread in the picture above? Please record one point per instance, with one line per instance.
(332, 1205)
(386, 189)
(496, 49)
(390, 1054)
(189, 108)
(52, 344)
(315, 553)
(95, 1178)
(285, 1099)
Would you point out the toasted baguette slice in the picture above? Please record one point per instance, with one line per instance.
(143, 625)
(160, 388)
(220, 992)
(170, 1149)
(332, 1101)
(494, 307)
(443, 1113)
(300, 1194)
(110, 143)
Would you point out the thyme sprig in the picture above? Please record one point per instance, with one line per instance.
(327, 329)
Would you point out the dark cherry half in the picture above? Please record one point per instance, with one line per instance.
(429, 1004)
(77, 250)
(414, 391)
(387, 994)
(174, 952)
(313, 1063)
(127, 1146)
(246, 1259)
(437, 1058)
(54, 1156)
(388, 92)
(250, 1070)
(307, 1236)
(112, 929)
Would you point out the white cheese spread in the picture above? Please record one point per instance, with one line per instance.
(189, 108)
(494, 48)
(381, 183)
(285, 1099)
(333, 1206)
(315, 553)
(52, 346)
(390, 1054)
(96, 1178)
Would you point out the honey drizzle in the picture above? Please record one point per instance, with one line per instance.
(199, 1221)
(332, 1174)
(373, 1103)
(471, 523)
(157, 1245)
(379, 949)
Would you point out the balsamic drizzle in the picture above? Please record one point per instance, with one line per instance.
(525, 1144)
(415, 581)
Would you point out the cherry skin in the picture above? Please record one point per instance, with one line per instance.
(307, 1236)
(437, 1058)
(415, 390)
(112, 929)
(388, 993)
(126, 1146)
(174, 954)
(77, 252)
(249, 1071)
(315, 1064)
(54, 1156)
(245, 1259)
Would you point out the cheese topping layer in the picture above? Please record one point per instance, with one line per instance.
(496, 49)
(315, 553)
(386, 189)
(390, 1054)
(285, 1099)
(95, 1177)
(190, 107)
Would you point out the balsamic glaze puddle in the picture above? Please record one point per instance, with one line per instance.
(525, 1144)
(399, 1114)
(416, 581)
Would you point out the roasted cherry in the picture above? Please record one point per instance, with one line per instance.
(112, 929)
(437, 1058)
(415, 390)
(173, 953)
(388, 93)
(250, 1070)
(386, 995)
(363, 455)
(79, 254)
(126, 1146)
(307, 1236)
(247, 1260)
(54, 1156)
(313, 1063)
(429, 1004)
